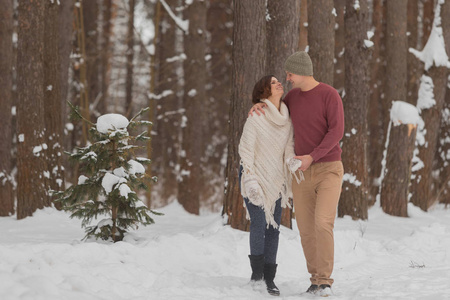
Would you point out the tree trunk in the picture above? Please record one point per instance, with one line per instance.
(249, 56)
(422, 183)
(219, 20)
(283, 34)
(105, 56)
(378, 118)
(427, 20)
(353, 201)
(395, 184)
(194, 96)
(166, 144)
(130, 55)
(6, 83)
(321, 39)
(90, 21)
(52, 100)
(413, 64)
(303, 25)
(339, 48)
(30, 81)
(394, 191)
(444, 140)
(65, 48)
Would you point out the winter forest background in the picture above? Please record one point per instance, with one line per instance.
(194, 64)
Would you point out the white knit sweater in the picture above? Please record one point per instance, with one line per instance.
(267, 142)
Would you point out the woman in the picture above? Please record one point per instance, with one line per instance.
(267, 155)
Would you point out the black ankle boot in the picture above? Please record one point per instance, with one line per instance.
(257, 263)
(269, 276)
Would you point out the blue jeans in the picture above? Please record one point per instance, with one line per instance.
(263, 240)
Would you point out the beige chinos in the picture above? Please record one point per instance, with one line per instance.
(315, 202)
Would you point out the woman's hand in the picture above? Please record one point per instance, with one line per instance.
(253, 190)
(258, 109)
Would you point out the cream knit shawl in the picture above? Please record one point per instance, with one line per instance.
(266, 143)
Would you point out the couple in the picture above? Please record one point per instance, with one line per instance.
(273, 150)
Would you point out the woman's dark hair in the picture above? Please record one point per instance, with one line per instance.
(262, 89)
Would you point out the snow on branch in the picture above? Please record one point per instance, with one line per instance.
(182, 24)
(434, 51)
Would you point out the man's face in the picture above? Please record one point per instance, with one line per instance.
(294, 79)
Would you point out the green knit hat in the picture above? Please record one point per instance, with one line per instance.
(299, 63)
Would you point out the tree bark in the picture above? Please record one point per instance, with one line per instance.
(6, 83)
(321, 39)
(413, 64)
(189, 192)
(394, 191)
(166, 142)
(52, 100)
(90, 20)
(283, 34)
(444, 140)
(303, 25)
(219, 23)
(396, 181)
(105, 55)
(422, 191)
(130, 56)
(249, 56)
(339, 49)
(353, 201)
(30, 81)
(378, 118)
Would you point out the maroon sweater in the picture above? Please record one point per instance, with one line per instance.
(318, 118)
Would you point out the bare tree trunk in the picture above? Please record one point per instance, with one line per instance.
(30, 81)
(190, 187)
(378, 118)
(283, 34)
(52, 100)
(303, 24)
(167, 109)
(130, 56)
(396, 181)
(339, 48)
(105, 55)
(6, 82)
(219, 20)
(444, 140)
(394, 191)
(353, 201)
(436, 81)
(249, 56)
(90, 21)
(427, 19)
(65, 48)
(413, 64)
(321, 39)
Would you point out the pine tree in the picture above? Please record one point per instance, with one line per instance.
(112, 174)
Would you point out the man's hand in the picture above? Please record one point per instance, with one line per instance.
(306, 161)
(258, 109)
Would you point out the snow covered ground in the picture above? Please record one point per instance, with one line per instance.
(190, 257)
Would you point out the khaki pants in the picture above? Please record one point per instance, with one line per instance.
(315, 203)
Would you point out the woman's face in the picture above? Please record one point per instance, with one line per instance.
(276, 88)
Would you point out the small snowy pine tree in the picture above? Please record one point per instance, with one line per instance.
(112, 175)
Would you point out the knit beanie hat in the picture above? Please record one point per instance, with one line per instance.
(299, 63)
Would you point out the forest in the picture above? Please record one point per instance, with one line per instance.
(194, 64)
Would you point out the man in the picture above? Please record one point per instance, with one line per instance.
(318, 117)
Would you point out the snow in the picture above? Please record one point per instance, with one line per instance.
(111, 122)
(405, 113)
(82, 179)
(184, 256)
(108, 182)
(124, 190)
(21, 138)
(434, 51)
(136, 167)
(182, 24)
